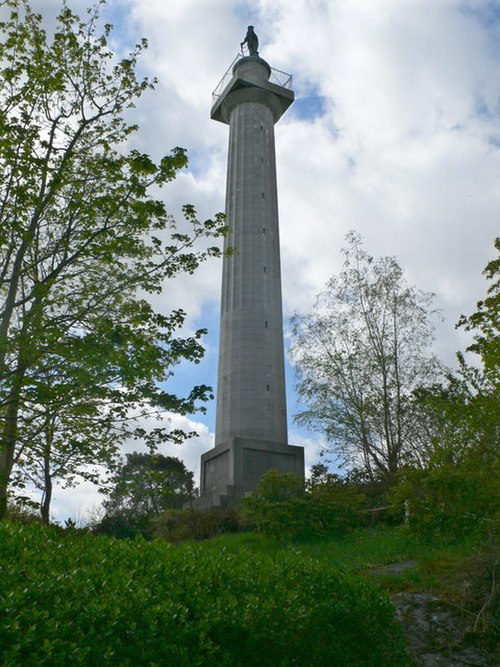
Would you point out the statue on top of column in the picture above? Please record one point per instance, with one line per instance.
(252, 41)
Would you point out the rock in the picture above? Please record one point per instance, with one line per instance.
(395, 568)
(435, 632)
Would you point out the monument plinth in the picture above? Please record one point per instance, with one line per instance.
(251, 423)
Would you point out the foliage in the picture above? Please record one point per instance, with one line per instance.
(141, 488)
(337, 504)
(461, 416)
(479, 388)
(191, 524)
(457, 492)
(360, 354)
(485, 323)
(374, 490)
(21, 510)
(121, 527)
(147, 484)
(276, 486)
(137, 603)
(281, 506)
(449, 501)
(277, 506)
(479, 590)
(81, 235)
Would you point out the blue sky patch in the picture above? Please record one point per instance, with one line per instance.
(309, 107)
(487, 13)
(188, 374)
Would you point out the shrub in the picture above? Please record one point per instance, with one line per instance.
(449, 501)
(22, 512)
(337, 505)
(480, 593)
(280, 506)
(190, 524)
(87, 600)
(116, 525)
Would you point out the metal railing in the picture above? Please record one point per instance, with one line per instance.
(225, 79)
(277, 77)
(280, 78)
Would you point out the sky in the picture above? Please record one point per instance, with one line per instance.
(394, 133)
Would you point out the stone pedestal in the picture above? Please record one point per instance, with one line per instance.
(232, 470)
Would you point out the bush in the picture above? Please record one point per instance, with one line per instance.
(22, 512)
(116, 525)
(190, 524)
(449, 501)
(86, 600)
(337, 505)
(277, 506)
(281, 507)
(475, 589)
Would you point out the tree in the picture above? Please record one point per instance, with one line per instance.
(463, 410)
(147, 484)
(456, 491)
(483, 411)
(61, 441)
(485, 323)
(360, 355)
(80, 236)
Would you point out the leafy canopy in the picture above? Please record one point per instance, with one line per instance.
(147, 484)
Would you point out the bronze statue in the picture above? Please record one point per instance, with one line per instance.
(252, 41)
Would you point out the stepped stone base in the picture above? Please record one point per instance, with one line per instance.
(233, 469)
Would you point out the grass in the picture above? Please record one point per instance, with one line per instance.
(364, 549)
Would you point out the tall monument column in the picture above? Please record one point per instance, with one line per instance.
(251, 424)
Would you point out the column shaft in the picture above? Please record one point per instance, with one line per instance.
(251, 380)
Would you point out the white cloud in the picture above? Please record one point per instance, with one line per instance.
(313, 447)
(399, 151)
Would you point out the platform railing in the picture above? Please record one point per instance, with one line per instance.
(277, 77)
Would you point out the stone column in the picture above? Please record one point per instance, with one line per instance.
(251, 399)
(251, 423)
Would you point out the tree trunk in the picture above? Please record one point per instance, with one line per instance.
(7, 447)
(47, 476)
(8, 439)
(46, 499)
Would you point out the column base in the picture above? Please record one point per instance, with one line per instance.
(233, 469)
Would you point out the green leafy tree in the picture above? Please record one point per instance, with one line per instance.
(80, 236)
(464, 410)
(461, 417)
(146, 485)
(485, 323)
(359, 355)
(61, 444)
(483, 405)
(457, 491)
(483, 402)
